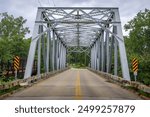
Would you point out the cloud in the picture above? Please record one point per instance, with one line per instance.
(27, 8)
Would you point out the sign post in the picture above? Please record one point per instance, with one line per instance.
(16, 65)
(135, 67)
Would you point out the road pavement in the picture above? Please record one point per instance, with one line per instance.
(74, 84)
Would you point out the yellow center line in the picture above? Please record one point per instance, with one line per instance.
(78, 95)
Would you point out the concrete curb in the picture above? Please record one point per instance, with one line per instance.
(120, 81)
(24, 83)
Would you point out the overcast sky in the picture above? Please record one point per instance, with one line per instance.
(28, 8)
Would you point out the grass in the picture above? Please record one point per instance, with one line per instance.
(140, 92)
(9, 90)
(3, 81)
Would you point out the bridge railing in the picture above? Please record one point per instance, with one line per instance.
(28, 81)
(125, 83)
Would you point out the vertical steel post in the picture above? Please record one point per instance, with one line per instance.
(53, 53)
(111, 52)
(98, 54)
(123, 57)
(48, 51)
(107, 52)
(94, 56)
(60, 64)
(43, 48)
(65, 57)
(91, 57)
(102, 51)
(62, 56)
(56, 52)
(39, 53)
(29, 65)
(115, 53)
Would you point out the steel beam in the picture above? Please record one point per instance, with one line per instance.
(102, 51)
(53, 53)
(107, 52)
(29, 65)
(48, 50)
(84, 8)
(115, 53)
(39, 54)
(123, 57)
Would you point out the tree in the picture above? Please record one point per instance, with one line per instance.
(12, 37)
(138, 43)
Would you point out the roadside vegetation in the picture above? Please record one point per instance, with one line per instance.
(12, 42)
(138, 44)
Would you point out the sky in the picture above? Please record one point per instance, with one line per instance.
(28, 8)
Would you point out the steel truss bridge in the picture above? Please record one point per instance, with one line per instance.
(61, 30)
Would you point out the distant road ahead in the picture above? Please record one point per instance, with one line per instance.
(74, 84)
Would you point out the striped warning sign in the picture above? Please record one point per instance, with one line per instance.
(16, 62)
(135, 65)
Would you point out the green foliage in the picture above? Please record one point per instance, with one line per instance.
(140, 92)
(78, 60)
(138, 44)
(12, 37)
(9, 90)
(78, 65)
(5, 80)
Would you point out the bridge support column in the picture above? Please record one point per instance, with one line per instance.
(115, 52)
(58, 59)
(39, 54)
(29, 65)
(107, 52)
(95, 56)
(56, 56)
(91, 57)
(53, 53)
(98, 53)
(48, 50)
(64, 55)
(43, 48)
(60, 64)
(65, 59)
(123, 57)
(102, 50)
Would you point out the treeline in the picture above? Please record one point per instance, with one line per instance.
(12, 40)
(12, 37)
(138, 44)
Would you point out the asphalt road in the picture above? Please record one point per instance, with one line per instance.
(74, 84)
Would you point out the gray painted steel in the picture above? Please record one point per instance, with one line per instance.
(59, 31)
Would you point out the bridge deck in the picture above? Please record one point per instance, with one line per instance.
(74, 84)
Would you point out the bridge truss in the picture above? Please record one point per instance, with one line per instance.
(61, 30)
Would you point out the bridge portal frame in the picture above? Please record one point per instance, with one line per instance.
(53, 49)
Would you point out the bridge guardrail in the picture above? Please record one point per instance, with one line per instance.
(121, 81)
(28, 80)
(10, 85)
